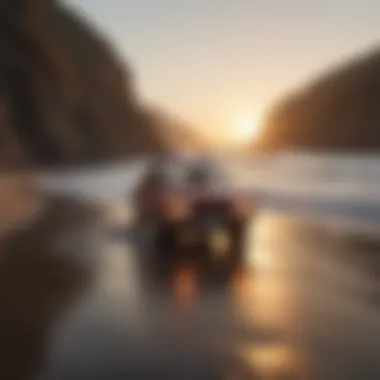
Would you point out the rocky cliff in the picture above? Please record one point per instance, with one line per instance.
(338, 112)
(176, 133)
(65, 96)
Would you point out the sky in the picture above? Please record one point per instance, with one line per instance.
(218, 63)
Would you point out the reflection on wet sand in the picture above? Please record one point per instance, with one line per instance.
(270, 361)
(294, 312)
(185, 287)
(36, 287)
(262, 293)
(185, 330)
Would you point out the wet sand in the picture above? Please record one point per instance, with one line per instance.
(305, 307)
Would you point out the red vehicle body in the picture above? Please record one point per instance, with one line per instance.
(193, 213)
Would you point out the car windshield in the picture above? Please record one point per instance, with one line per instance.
(199, 175)
(194, 175)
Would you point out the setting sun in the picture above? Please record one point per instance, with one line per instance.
(247, 128)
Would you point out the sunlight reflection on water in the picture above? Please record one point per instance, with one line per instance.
(274, 314)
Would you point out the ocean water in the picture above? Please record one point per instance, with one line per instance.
(347, 186)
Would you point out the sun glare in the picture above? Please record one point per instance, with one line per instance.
(247, 128)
